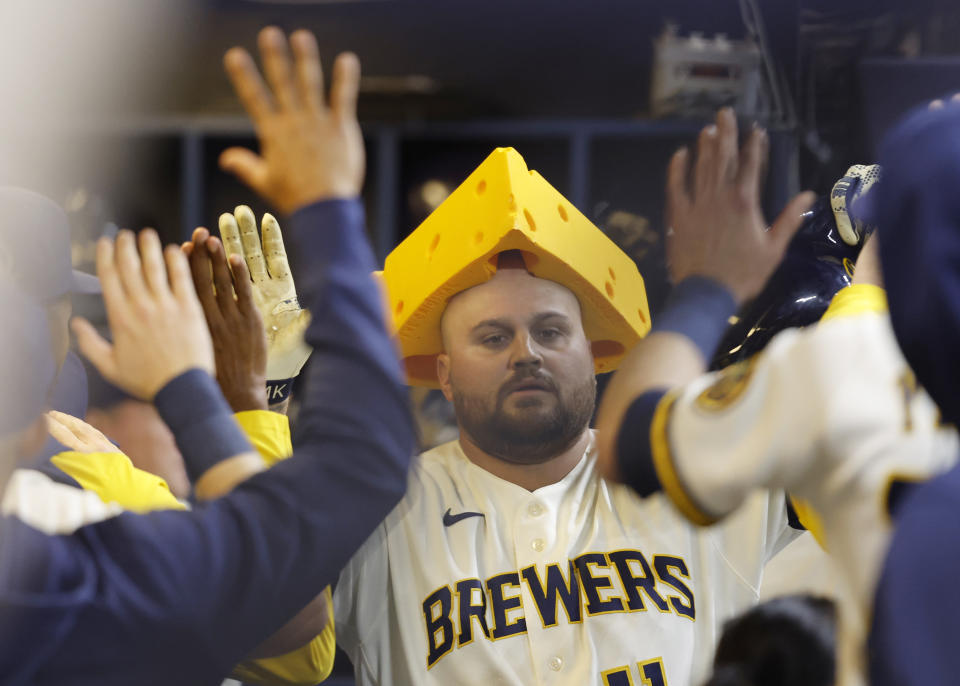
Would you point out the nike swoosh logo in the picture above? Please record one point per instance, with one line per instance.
(451, 519)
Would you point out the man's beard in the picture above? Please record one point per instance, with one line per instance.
(526, 440)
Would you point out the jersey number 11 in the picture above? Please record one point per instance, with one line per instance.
(651, 674)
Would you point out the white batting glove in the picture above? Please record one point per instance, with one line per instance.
(856, 182)
(274, 294)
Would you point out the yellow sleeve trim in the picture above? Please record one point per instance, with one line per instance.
(269, 432)
(856, 299)
(810, 519)
(114, 479)
(664, 465)
(305, 666)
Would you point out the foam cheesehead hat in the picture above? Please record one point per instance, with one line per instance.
(504, 206)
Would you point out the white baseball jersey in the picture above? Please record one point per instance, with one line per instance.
(475, 580)
(833, 415)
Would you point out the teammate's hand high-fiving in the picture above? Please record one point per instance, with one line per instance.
(239, 341)
(76, 435)
(717, 226)
(273, 292)
(720, 252)
(310, 149)
(156, 321)
(250, 302)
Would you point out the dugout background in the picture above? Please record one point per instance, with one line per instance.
(566, 82)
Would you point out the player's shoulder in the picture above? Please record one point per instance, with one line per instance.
(442, 454)
(849, 325)
(440, 464)
(832, 332)
(833, 349)
(433, 474)
(430, 482)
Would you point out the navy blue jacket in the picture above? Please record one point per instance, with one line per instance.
(181, 597)
(916, 617)
(915, 632)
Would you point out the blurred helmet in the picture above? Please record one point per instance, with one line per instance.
(817, 264)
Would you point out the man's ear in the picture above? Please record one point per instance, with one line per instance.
(443, 375)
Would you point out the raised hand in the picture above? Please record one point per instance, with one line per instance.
(273, 292)
(717, 226)
(309, 150)
(236, 327)
(157, 324)
(77, 435)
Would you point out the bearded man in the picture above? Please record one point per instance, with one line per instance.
(510, 561)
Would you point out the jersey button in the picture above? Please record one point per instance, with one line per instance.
(556, 663)
(535, 510)
(538, 545)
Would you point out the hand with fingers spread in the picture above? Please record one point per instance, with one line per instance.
(717, 226)
(273, 292)
(309, 150)
(236, 327)
(156, 321)
(77, 435)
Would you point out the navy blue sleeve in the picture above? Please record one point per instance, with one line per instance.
(191, 593)
(201, 420)
(700, 309)
(634, 452)
(916, 618)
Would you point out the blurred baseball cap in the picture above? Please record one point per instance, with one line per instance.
(27, 365)
(35, 247)
(817, 264)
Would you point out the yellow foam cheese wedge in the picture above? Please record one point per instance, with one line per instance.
(505, 206)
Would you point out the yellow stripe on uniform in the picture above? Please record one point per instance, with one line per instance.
(856, 299)
(664, 466)
(269, 432)
(305, 666)
(113, 477)
(810, 519)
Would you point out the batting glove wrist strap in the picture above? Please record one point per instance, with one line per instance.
(201, 421)
(279, 390)
(700, 309)
(287, 352)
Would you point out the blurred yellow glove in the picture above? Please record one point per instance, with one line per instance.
(274, 294)
(856, 182)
